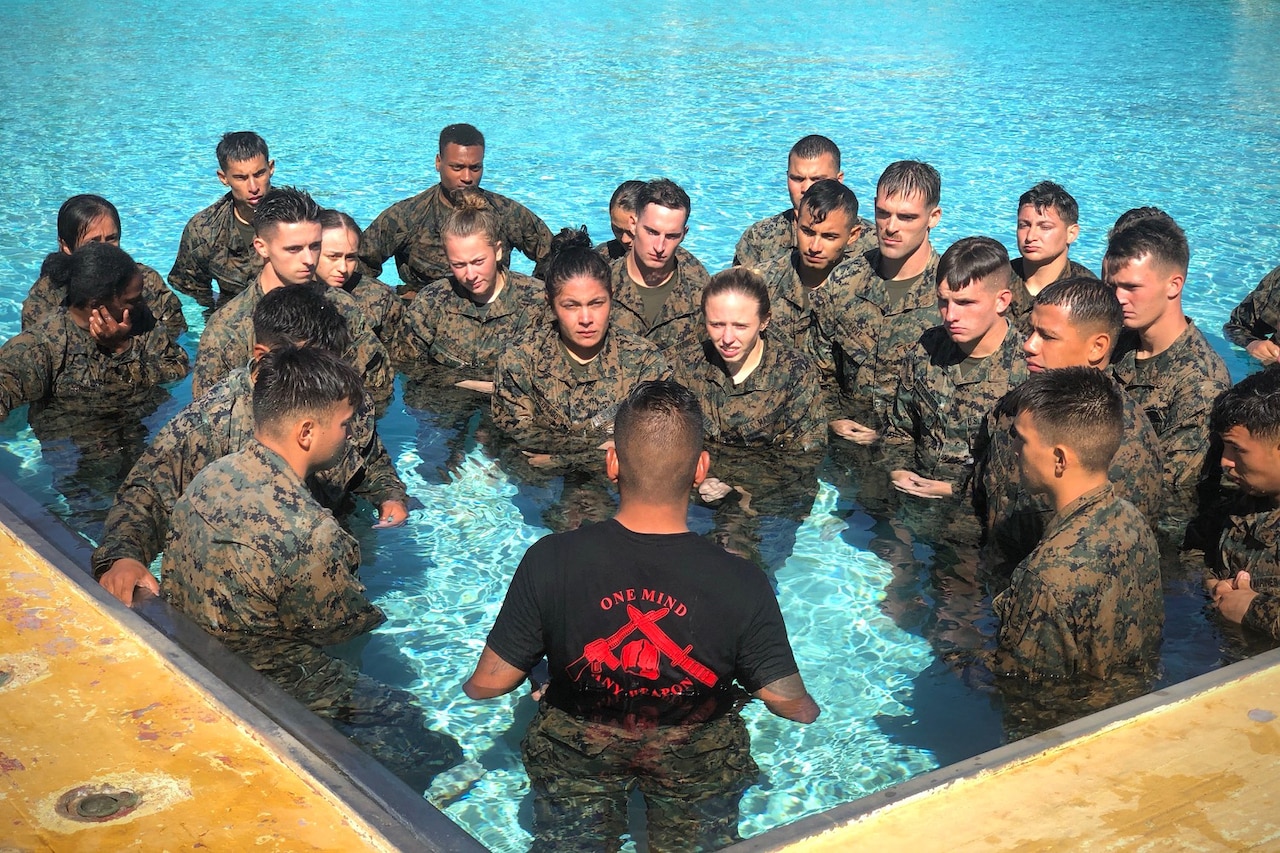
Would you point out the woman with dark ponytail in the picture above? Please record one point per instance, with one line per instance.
(86, 219)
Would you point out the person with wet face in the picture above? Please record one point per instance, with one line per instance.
(410, 230)
(656, 287)
(557, 388)
(339, 266)
(812, 159)
(1163, 360)
(1088, 600)
(956, 374)
(1048, 218)
(288, 237)
(454, 331)
(92, 219)
(654, 638)
(103, 344)
(217, 244)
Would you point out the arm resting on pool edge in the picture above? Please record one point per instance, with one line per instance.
(787, 698)
(493, 677)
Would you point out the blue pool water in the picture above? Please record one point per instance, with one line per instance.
(1170, 103)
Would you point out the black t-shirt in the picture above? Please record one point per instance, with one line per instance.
(642, 628)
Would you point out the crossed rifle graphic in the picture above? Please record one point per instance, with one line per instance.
(600, 652)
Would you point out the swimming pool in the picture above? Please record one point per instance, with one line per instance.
(1110, 101)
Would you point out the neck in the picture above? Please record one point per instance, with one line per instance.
(1161, 334)
(1070, 488)
(580, 355)
(750, 363)
(293, 456)
(909, 267)
(646, 277)
(268, 280)
(1037, 276)
(988, 343)
(643, 517)
(810, 277)
(243, 211)
(497, 288)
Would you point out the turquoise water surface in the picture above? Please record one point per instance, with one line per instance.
(1174, 104)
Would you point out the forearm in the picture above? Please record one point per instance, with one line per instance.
(788, 698)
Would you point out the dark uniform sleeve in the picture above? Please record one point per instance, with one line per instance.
(808, 429)
(162, 302)
(1033, 639)
(517, 634)
(324, 602)
(161, 358)
(528, 233)
(1257, 317)
(190, 273)
(386, 236)
(764, 653)
(26, 372)
(378, 481)
(903, 429)
(1264, 614)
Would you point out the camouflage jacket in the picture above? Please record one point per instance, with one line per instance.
(211, 248)
(444, 327)
(227, 343)
(1258, 316)
(779, 405)
(680, 322)
(45, 299)
(936, 424)
(1250, 542)
(409, 230)
(613, 249)
(255, 561)
(1020, 308)
(209, 428)
(1015, 519)
(543, 404)
(58, 359)
(381, 306)
(775, 237)
(1177, 393)
(1089, 598)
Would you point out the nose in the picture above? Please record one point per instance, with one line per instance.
(1032, 344)
(253, 185)
(309, 257)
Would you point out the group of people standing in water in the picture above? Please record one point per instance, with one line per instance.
(1057, 418)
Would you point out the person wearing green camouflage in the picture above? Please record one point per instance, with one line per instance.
(92, 219)
(339, 266)
(1048, 223)
(1163, 361)
(409, 230)
(657, 288)
(1074, 323)
(814, 158)
(221, 422)
(455, 328)
(104, 344)
(254, 560)
(289, 240)
(217, 243)
(1088, 601)
(1253, 322)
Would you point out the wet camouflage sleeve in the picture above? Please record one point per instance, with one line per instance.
(1248, 531)
(381, 307)
(211, 248)
(1263, 614)
(1258, 316)
(26, 371)
(387, 236)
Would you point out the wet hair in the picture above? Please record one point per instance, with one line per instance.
(571, 256)
(1252, 403)
(294, 382)
(814, 146)
(462, 135)
(657, 435)
(284, 206)
(743, 281)
(1047, 194)
(911, 177)
(970, 259)
(95, 273)
(331, 220)
(1078, 407)
(472, 214)
(624, 197)
(1090, 304)
(663, 192)
(239, 146)
(1156, 236)
(822, 197)
(300, 316)
(78, 213)
(1136, 215)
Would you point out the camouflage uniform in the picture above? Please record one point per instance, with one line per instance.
(612, 249)
(1258, 316)
(1015, 519)
(1250, 542)
(212, 248)
(1089, 598)
(779, 405)
(209, 428)
(410, 230)
(775, 237)
(1020, 307)
(680, 322)
(58, 359)
(227, 343)
(381, 307)
(45, 299)
(443, 327)
(546, 408)
(1177, 393)
(255, 561)
(935, 428)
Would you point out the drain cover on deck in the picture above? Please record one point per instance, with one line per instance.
(97, 803)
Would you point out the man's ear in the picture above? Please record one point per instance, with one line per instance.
(611, 464)
(304, 433)
(702, 469)
(1061, 460)
(260, 246)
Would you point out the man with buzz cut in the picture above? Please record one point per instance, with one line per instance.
(217, 243)
(1163, 361)
(409, 230)
(814, 158)
(1048, 223)
(657, 289)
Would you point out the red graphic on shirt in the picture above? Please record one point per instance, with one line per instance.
(642, 657)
